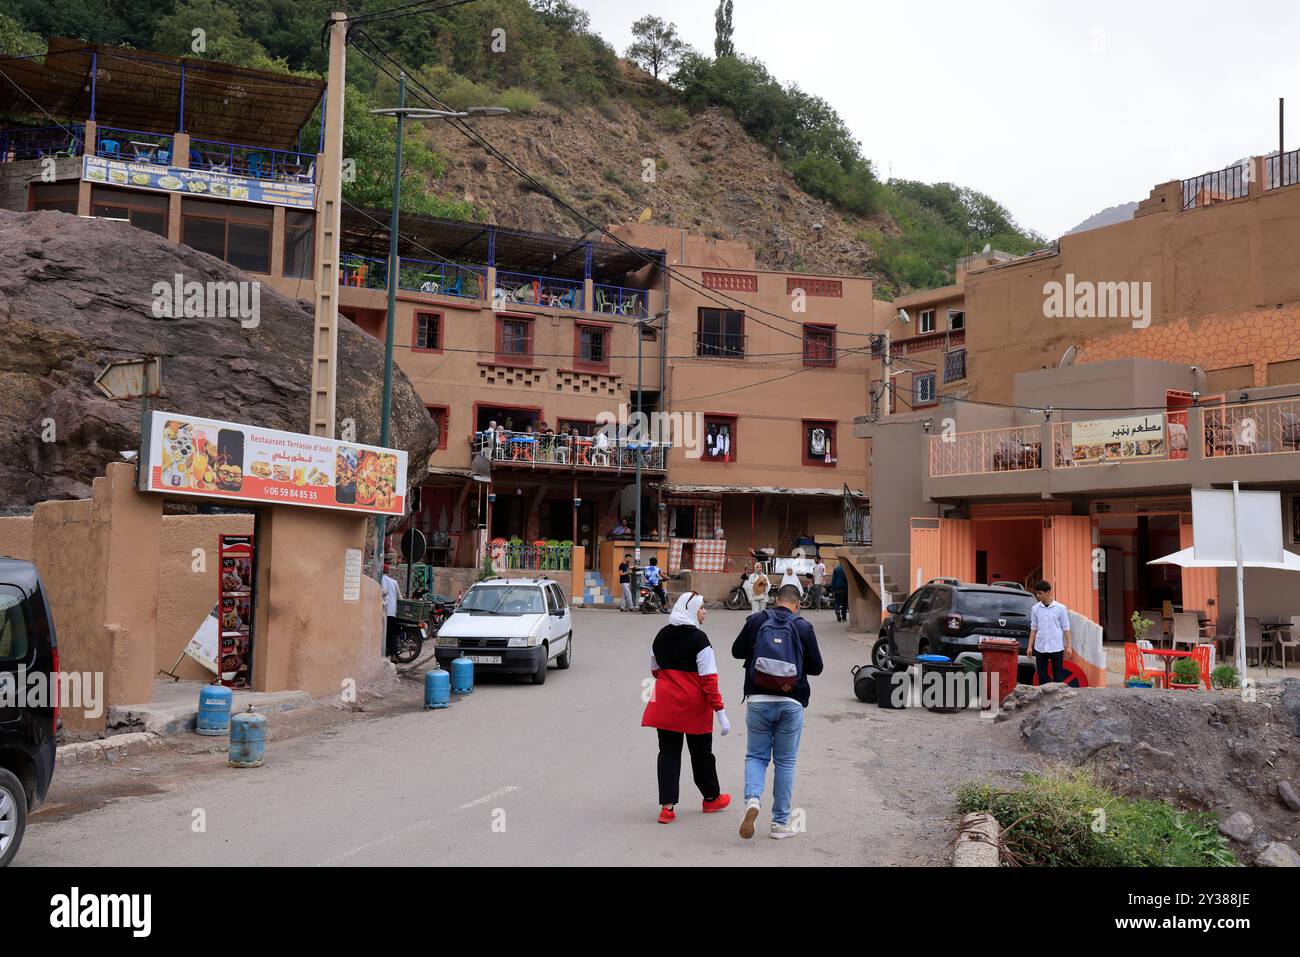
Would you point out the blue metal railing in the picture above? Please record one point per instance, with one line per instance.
(133, 145)
(35, 142)
(441, 278)
(620, 301)
(255, 162)
(365, 272)
(538, 290)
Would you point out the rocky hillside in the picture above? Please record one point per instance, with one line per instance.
(709, 177)
(76, 294)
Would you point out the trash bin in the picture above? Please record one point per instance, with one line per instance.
(864, 683)
(1001, 658)
(886, 689)
(943, 684)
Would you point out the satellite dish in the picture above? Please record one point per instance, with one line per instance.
(480, 469)
(1069, 357)
(903, 317)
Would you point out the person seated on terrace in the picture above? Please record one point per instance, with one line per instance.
(620, 529)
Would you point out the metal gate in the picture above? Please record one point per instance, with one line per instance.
(857, 520)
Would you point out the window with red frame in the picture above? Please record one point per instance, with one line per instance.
(515, 338)
(442, 416)
(592, 346)
(719, 438)
(818, 345)
(428, 332)
(819, 442)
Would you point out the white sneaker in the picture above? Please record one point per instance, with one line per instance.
(751, 815)
(781, 831)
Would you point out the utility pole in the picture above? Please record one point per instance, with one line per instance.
(329, 174)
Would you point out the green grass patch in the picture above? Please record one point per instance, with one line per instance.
(1064, 818)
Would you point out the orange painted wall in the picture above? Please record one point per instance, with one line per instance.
(1200, 585)
(1067, 562)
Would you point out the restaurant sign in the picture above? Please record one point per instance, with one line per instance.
(1118, 440)
(197, 182)
(184, 455)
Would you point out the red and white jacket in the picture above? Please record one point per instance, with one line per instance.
(685, 693)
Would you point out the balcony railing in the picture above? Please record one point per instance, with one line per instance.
(620, 301)
(534, 450)
(1252, 428)
(36, 142)
(1282, 170)
(254, 162)
(442, 279)
(555, 556)
(364, 272)
(535, 290)
(992, 450)
(1233, 182)
(133, 145)
(720, 345)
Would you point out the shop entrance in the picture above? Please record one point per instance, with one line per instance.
(1009, 549)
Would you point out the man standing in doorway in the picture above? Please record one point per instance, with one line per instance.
(625, 584)
(780, 651)
(1049, 634)
(389, 586)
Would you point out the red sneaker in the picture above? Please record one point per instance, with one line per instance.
(667, 815)
(719, 803)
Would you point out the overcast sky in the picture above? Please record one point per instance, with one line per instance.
(1056, 109)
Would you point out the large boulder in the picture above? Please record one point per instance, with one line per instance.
(76, 294)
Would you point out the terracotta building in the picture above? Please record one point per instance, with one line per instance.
(1106, 378)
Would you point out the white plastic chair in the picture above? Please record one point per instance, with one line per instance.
(1187, 629)
(1292, 641)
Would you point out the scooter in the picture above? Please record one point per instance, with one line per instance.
(650, 602)
(738, 598)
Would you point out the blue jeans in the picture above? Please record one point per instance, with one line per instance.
(773, 729)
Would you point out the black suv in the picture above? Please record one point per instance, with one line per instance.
(27, 725)
(947, 617)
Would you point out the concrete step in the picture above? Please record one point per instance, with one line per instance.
(176, 705)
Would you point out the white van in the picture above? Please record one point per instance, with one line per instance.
(510, 626)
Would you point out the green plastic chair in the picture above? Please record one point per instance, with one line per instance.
(515, 553)
(565, 556)
(552, 559)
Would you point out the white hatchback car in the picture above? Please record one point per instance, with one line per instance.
(510, 626)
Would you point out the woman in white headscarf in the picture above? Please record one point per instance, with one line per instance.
(790, 578)
(682, 705)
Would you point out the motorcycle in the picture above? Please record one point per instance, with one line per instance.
(418, 618)
(650, 602)
(738, 598)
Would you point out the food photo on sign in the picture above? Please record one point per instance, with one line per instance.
(192, 456)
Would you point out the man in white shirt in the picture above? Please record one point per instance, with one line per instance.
(1049, 634)
(818, 582)
(389, 585)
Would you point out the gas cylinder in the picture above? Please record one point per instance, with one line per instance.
(462, 675)
(214, 709)
(437, 688)
(247, 739)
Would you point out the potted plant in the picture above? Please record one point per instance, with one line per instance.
(1140, 626)
(1186, 674)
(1139, 683)
(1224, 676)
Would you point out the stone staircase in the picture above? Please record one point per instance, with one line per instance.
(864, 577)
(594, 593)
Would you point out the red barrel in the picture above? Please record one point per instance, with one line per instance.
(1001, 658)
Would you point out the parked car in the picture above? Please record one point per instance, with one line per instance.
(27, 727)
(946, 617)
(510, 626)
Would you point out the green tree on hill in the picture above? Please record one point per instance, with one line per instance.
(657, 45)
(723, 45)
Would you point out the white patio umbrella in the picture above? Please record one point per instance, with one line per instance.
(1187, 559)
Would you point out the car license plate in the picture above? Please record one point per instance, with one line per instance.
(485, 659)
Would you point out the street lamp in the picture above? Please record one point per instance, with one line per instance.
(403, 112)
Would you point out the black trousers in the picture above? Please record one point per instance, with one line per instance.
(1054, 658)
(841, 605)
(703, 766)
(391, 636)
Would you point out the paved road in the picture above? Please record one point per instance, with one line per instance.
(517, 774)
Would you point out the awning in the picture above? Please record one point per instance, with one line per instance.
(1187, 559)
(758, 490)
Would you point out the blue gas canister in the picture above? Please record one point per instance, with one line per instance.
(247, 739)
(462, 675)
(437, 689)
(214, 710)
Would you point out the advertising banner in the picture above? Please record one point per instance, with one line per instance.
(185, 455)
(1118, 440)
(197, 182)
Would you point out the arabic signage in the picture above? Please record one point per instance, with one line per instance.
(184, 455)
(1118, 440)
(197, 182)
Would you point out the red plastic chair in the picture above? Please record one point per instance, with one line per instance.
(1203, 655)
(1135, 668)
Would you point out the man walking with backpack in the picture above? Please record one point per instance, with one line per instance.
(780, 652)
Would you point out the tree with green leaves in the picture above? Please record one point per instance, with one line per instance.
(657, 45)
(15, 41)
(723, 46)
